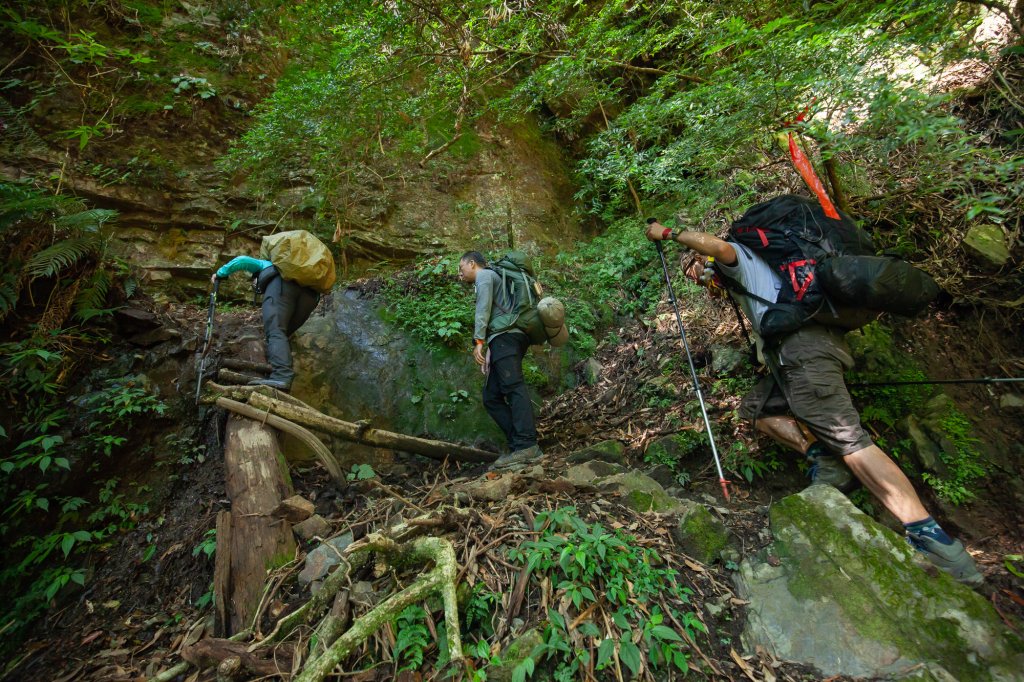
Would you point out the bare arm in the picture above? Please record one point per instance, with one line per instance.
(703, 243)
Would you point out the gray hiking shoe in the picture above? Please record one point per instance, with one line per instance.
(952, 559)
(273, 383)
(832, 471)
(518, 458)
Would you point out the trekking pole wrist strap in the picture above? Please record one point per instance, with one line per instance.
(668, 234)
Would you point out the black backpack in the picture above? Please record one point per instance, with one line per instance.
(829, 269)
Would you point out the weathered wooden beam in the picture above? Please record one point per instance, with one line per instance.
(323, 454)
(246, 365)
(367, 435)
(235, 378)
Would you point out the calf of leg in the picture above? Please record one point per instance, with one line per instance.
(784, 430)
(887, 482)
(509, 374)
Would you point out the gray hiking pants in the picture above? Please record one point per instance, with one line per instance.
(286, 306)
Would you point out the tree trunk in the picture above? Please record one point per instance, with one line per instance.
(256, 482)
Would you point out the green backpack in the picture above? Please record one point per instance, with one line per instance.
(518, 280)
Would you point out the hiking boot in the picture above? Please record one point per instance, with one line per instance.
(832, 471)
(952, 559)
(518, 458)
(273, 383)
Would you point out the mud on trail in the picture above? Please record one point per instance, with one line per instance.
(136, 616)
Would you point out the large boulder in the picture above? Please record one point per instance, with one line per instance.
(353, 364)
(842, 593)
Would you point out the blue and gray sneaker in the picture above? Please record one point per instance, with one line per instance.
(951, 558)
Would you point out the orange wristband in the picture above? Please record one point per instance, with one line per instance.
(479, 342)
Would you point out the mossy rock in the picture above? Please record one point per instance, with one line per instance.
(585, 474)
(640, 492)
(611, 451)
(987, 243)
(700, 534)
(514, 654)
(848, 596)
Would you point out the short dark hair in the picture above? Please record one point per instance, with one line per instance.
(475, 257)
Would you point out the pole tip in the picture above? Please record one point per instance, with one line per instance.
(725, 488)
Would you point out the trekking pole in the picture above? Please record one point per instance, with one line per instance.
(693, 371)
(209, 335)
(928, 382)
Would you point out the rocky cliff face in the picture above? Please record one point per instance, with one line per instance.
(515, 190)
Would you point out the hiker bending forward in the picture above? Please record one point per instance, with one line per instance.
(500, 353)
(286, 307)
(807, 382)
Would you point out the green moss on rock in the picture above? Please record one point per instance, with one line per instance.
(865, 579)
(701, 535)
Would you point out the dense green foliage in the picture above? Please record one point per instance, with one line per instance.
(676, 105)
(885, 409)
(606, 570)
(55, 282)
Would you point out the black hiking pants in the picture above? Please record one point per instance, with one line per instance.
(286, 306)
(505, 396)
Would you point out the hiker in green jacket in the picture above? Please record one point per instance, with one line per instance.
(286, 307)
(804, 403)
(500, 356)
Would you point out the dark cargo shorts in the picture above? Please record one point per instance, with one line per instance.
(811, 365)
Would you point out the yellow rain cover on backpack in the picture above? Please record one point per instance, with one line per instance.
(300, 257)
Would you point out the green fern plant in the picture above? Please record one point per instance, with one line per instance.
(60, 256)
(90, 299)
(411, 638)
(73, 255)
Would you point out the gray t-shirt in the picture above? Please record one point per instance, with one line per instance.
(490, 300)
(757, 277)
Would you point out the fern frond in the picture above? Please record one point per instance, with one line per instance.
(8, 294)
(90, 220)
(19, 201)
(89, 301)
(60, 256)
(18, 135)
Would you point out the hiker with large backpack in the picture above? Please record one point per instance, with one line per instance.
(503, 291)
(293, 269)
(773, 265)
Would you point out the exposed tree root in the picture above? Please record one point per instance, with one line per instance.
(440, 579)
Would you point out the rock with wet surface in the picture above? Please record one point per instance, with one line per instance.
(321, 560)
(849, 597)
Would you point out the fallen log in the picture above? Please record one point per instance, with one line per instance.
(308, 439)
(235, 378)
(246, 365)
(367, 435)
(240, 393)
